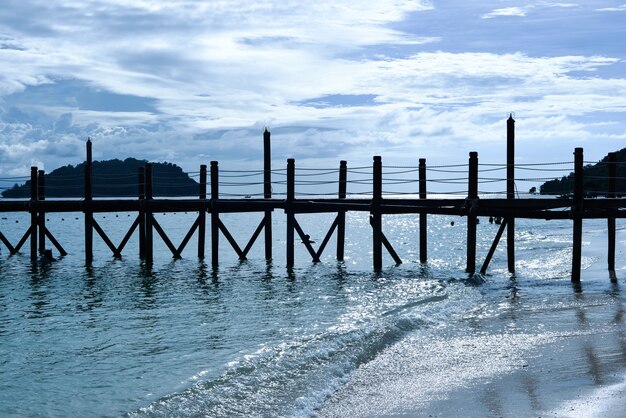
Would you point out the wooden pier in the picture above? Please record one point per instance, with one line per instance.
(376, 202)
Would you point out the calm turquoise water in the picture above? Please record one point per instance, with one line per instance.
(255, 339)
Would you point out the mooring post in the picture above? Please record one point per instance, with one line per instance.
(423, 223)
(215, 217)
(341, 215)
(202, 213)
(149, 241)
(33, 214)
(291, 194)
(510, 191)
(267, 191)
(577, 210)
(472, 196)
(375, 214)
(612, 166)
(87, 210)
(142, 213)
(41, 195)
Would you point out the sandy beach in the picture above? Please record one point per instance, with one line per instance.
(561, 356)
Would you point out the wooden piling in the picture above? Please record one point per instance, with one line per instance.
(612, 169)
(41, 195)
(510, 191)
(267, 191)
(142, 213)
(87, 199)
(33, 214)
(375, 213)
(215, 217)
(291, 219)
(149, 241)
(472, 197)
(423, 222)
(341, 215)
(202, 213)
(577, 211)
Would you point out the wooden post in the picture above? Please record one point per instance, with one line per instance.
(215, 217)
(33, 214)
(423, 224)
(375, 213)
(202, 213)
(149, 241)
(142, 213)
(267, 191)
(341, 215)
(41, 195)
(577, 209)
(88, 196)
(510, 191)
(472, 196)
(291, 219)
(611, 221)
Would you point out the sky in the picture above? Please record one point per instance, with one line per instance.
(189, 81)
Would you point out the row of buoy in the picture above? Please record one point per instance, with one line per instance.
(497, 220)
(63, 219)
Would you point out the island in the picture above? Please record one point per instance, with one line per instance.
(111, 178)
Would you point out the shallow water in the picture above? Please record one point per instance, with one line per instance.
(253, 338)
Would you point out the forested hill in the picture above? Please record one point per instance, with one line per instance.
(111, 178)
(595, 179)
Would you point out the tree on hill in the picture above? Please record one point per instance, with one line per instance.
(111, 178)
(595, 178)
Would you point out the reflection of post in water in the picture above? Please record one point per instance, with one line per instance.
(530, 387)
(38, 293)
(148, 280)
(595, 370)
(491, 399)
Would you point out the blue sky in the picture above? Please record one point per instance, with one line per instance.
(189, 81)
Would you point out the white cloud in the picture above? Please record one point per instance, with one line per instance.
(621, 8)
(216, 72)
(507, 11)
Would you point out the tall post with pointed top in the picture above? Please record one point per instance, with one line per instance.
(341, 215)
(149, 241)
(33, 213)
(472, 197)
(141, 181)
(612, 160)
(510, 190)
(215, 217)
(202, 214)
(267, 191)
(423, 222)
(375, 214)
(291, 218)
(88, 196)
(41, 195)
(577, 212)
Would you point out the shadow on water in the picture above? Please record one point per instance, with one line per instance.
(40, 274)
(92, 292)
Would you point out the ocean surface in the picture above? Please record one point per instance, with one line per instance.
(253, 338)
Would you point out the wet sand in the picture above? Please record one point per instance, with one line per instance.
(560, 356)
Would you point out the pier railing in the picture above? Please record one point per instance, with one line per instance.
(471, 189)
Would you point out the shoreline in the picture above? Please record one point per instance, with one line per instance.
(549, 351)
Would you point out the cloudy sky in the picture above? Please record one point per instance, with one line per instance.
(189, 81)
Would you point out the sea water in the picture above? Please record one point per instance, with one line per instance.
(253, 338)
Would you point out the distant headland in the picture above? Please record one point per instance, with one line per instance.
(112, 178)
(595, 179)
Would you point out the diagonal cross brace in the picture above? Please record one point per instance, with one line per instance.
(305, 241)
(6, 242)
(389, 247)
